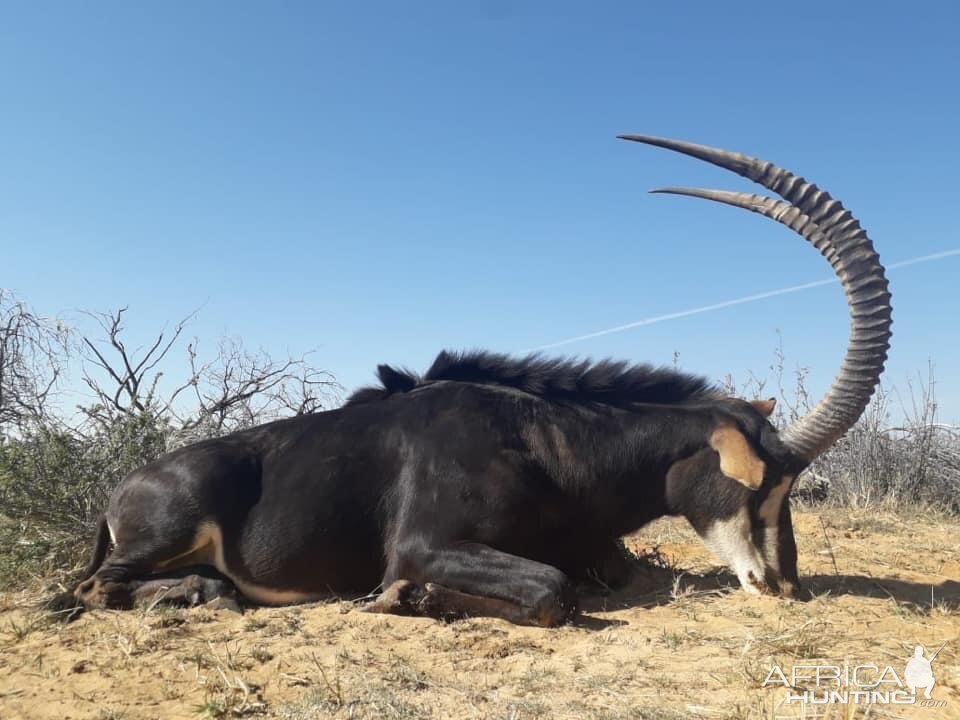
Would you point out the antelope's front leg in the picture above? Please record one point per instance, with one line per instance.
(472, 579)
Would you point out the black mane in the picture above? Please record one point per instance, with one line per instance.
(608, 382)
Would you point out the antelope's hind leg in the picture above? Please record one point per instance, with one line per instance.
(185, 590)
(151, 562)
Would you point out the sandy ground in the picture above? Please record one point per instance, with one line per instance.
(680, 642)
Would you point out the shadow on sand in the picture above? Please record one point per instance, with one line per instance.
(654, 586)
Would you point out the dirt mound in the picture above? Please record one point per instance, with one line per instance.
(680, 642)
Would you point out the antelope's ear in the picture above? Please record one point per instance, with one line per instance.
(764, 407)
(738, 461)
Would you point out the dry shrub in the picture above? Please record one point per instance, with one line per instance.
(910, 461)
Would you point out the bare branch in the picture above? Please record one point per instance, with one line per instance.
(241, 388)
(236, 388)
(134, 386)
(33, 350)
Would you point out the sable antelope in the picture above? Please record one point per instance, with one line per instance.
(489, 484)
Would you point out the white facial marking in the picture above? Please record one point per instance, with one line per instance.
(730, 540)
(770, 554)
(770, 516)
(770, 507)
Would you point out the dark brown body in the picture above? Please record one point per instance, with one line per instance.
(479, 487)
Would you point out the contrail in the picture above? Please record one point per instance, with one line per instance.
(736, 301)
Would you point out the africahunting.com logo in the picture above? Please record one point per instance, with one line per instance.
(859, 684)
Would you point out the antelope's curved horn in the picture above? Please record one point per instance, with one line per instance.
(833, 230)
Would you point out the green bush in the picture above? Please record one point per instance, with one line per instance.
(55, 482)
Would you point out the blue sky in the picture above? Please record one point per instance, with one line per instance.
(376, 181)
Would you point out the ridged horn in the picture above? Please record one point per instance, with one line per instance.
(833, 230)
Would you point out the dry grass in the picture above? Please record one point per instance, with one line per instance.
(681, 642)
